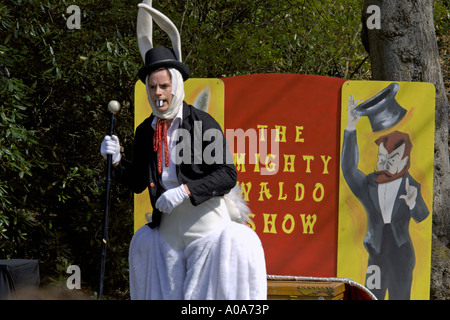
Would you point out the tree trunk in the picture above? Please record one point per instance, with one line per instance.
(404, 48)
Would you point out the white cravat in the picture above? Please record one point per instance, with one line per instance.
(387, 194)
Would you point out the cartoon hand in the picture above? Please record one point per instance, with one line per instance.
(352, 118)
(410, 196)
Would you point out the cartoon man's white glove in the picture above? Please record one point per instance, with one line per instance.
(171, 199)
(352, 117)
(410, 196)
(110, 145)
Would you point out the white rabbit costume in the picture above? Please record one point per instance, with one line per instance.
(198, 250)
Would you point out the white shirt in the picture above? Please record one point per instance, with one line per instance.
(169, 174)
(387, 194)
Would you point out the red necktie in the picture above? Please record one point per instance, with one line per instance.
(159, 136)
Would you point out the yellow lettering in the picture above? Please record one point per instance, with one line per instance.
(308, 162)
(287, 218)
(325, 164)
(318, 188)
(281, 196)
(256, 163)
(239, 161)
(262, 132)
(270, 167)
(307, 223)
(301, 187)
(245, 187)
(298, 133)
(281, 134)
(250, 222)
(264, 191)
(269, 221)
(289, 160)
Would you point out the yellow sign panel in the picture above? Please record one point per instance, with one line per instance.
(377, 246)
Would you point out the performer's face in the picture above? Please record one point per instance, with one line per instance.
(393, 161)
(160, 88)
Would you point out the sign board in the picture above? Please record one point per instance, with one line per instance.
(357, 221)
(285, 132)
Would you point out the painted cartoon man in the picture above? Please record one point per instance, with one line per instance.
(391, 197)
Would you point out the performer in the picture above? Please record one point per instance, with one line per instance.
(192, 248)
(391, 197)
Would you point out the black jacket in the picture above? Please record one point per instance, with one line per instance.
(366, 190)
(203, 180)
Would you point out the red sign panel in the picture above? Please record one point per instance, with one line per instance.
(282, 130)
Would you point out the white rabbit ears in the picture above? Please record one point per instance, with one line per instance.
(144, 28)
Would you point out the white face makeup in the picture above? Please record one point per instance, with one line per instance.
(165, 95)
(391, 162)
(160, 89)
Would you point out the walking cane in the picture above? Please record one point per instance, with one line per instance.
(113, 107)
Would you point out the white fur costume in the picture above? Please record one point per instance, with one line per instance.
(197, 252)
(221, 260)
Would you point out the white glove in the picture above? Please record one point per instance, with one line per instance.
(410, 196)
(171, 198)
(352, 118)
(110, 145)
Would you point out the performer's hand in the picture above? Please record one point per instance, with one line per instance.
(171, 198)
(110, 145)
(410, 196)
(352, 118)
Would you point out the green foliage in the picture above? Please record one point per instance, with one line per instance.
(442, 18)
(19, 153)
(55, 86)
(229, 38)
(56, 82)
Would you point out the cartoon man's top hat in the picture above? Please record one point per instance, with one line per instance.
(383, 110)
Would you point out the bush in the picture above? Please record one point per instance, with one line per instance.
(54, 113)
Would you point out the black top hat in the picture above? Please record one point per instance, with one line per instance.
(160, 57)
(382, 109)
